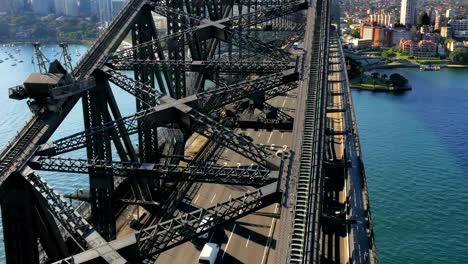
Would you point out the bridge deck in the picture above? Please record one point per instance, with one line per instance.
(253, 238)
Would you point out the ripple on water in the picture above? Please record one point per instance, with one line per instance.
(415, 148)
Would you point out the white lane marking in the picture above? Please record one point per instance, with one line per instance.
(284, 102)
(229, 240)
(230, 197)
(259, 134)
(269, 235)
(214, 196)
(196, 199)
(282, 134)
(247, 243)
(269, 138)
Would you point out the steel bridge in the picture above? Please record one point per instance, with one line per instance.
(235, 127)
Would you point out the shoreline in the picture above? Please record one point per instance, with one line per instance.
(380, 89)
(393, 66)
(23, 42)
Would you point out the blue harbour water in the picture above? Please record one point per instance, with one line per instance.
(415, 149)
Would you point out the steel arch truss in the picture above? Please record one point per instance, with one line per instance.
(205, 42)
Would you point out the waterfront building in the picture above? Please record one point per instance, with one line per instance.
(373, 33)
(116, 6)
(408, 12)
(452, 45)
(432, 15)
(446, 32)
(426, 48)
(459, 24)
(423, 48)
(381, 19)
(449, 13)
(435, 37)
(105, 12)
(407, 46)
(12, 7)
(59, 6)
(84, 8)
(396, 35)
(6, 6)
(441, 51)
(41, 7)
(460, 34)
(459, 28)
(362, 43)
(426, 29)
(440, 21)
(71, 7)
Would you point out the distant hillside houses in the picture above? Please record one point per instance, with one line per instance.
(423, 48)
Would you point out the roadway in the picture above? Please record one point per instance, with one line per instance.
(358, 208)
(335, 241)
(253, 238)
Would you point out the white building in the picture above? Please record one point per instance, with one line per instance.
(408, 12)
(71, 8)
(449, 13)
(105, 12)
(41, 7)
(59, 7)
(459, 28)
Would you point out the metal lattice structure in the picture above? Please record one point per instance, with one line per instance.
(193, 76)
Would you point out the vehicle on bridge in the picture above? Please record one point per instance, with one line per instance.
(209, 254)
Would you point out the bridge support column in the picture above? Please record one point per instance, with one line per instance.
(144, 31)
(18, 226)
(101, 182)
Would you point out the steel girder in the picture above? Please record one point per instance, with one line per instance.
(168, 234)
(265, 14)
(143, 31)
(208, 127)
(206, 67)
(271, 85)
(212, 173)
(227, 138)
(75, 225)
(222, 29)
(98, 146)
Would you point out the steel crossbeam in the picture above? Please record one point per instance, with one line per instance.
(208, 127)
(162, 114)
(241, 175)
(168, 234)
(206, 67)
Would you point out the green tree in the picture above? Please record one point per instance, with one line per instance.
(447, 41)
(355, 67)
(459, 56)
(398, 80)
(423, 19)
(388, 53)
(356, 33)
